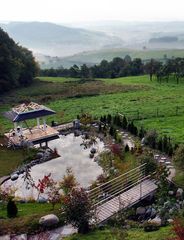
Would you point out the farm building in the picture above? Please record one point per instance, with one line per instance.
(23, 133)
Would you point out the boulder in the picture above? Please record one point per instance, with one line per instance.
(42, 200)
(20, 237)
(5, 237)
(39, 154)
(171, 193)
(93, 150)
(157, 220)
(140, 210)
(148, 213)
(179, 193)
(49, 220)
(14, 176)
(170, 220)
(153, 213)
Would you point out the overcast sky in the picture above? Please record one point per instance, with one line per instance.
(71, 11)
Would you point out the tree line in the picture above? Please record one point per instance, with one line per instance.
(17, 64)
(120, 67)
(150, 138)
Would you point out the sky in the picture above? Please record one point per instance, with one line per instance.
(73, 11)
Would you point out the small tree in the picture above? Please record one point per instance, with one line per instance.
(127, 149)
(69, 182)
(141, 132)
(124, 123)
(11, 209)
(109, 118)
(178, 229)
(77, 208)
(179, 156)
(151, 138)
(111, 131)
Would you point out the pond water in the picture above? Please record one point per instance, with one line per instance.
(72, 155)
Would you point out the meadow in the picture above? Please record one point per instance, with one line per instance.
(132, 234)
(151, 104)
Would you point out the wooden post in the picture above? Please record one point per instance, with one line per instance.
(176, 110)
(15, 127)
(157, 112)
(38, 122)
(44, 124)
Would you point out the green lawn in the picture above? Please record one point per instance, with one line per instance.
(28, 217)
(10, 160)
(155, 102)
(132, 234)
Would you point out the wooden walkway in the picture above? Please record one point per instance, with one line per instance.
(63, 126)
(125, 200)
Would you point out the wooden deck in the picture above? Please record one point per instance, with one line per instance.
(33, 135)
(125, 200)
(63, 126)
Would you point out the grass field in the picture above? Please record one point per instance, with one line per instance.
(28, 217)
(132, 234)
(156, 102)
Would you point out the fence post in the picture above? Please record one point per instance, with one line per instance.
(176, 110)
(157, 112)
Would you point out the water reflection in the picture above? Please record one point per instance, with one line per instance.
(73, 155)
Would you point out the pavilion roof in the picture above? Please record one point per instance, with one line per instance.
(27, 111)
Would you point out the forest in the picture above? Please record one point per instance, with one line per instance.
(17, 64)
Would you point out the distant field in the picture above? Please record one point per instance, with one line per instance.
(95, 57)
(156, 102)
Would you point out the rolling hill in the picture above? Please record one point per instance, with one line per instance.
(95, 57)
(56, 40)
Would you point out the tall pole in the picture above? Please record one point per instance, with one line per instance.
(44, 124)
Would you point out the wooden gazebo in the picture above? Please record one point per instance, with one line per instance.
(21, 131)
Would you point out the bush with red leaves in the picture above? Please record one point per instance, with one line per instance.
(178, 229)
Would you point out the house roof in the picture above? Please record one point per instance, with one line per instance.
(27, 111)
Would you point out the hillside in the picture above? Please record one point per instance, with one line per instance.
(56, 40)
(17, 64)
(95, 57)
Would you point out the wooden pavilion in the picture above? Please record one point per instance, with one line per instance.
(22, 132)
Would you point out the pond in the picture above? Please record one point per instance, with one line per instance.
(72, 155)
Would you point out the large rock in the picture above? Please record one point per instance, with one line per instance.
(93, 150)
(42, 200)
(5, 237)
(153, 213)
(20, 237)
(157, 220)
(179, 193)
(140, 210)
(49, 220)
(170, 221)
(14, 177)
(39, 154)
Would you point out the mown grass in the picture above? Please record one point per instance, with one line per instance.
(10, 160)
(28, 217)
(133, 234)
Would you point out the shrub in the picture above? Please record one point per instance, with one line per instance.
(127, 148)
(149, 227)
(77, 208)
(178, 229)
(179, 156)
(11, 209)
